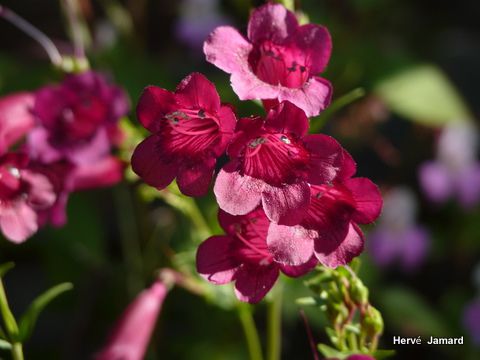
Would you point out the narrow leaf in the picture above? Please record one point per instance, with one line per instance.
(5, 345)
(29, 318)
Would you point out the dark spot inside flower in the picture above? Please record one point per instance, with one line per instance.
(201, 114)
(303, 68)
(285, 139)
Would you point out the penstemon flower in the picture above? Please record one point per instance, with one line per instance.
(278, 62)
(242, 256)
(190, 130)
(329, 231)
(272, 162)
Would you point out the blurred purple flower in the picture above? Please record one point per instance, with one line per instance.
(197, 20)
(397, 236)
(131, 335)
(471, 321)
(456, 172)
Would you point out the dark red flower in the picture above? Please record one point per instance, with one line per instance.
(190, 130)
(279, 61)
(272, 162)
(242, 256)
(329, 230)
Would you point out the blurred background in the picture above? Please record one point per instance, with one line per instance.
(416, 64)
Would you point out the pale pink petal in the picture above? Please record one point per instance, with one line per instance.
(237, 194)
(286, 204)
(287, 118)
(104, 172)
(41, 194)
(194, 179)
(271, 22)
(153, 105)
(18, 221)
(149, 165)
(290, 245)
(367, 198)
(197, 92)
(332, 251)
(227, 49)
(252, 283)
(215, 260)
(39, 148)
(326, 158)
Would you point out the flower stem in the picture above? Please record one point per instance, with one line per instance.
(17, 351)
(251, 334)
(10, 324)
(34, 33)
(77, 27)
(274, 324)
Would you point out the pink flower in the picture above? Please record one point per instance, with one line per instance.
(131, 335)
(191, 129)
(23, 193)
(329, 230)
(242, 256)
(78, 119)
(15, 118)
(272, 163)
(279, 61)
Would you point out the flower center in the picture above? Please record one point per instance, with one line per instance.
(278, 65)
(275, 158)
(190, 132)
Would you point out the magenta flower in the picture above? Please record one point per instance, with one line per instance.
(78, 119)
(279, 61)
(23, 193)
(190, 130)
(242, 256)
(15, 118)
(397, 236)
(456, 171)
(131, 335)
(330, 228)
(471, 321)
(272, 163)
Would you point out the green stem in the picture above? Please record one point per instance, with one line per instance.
(17, 351)
(274, 324)
(250, 331)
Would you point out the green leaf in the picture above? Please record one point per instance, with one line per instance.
(330, 352)
(4, 268)
(5, 345)
(406, 311)
(29, 318)
(423, 94)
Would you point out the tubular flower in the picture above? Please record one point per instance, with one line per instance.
(272, 162)
(279, 61)
(131, 335)
(330, 228)
(23, 193)
(190, 130)
(242, 256)
(78, 119)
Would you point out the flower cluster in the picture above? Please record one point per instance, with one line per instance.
(68, 131)
(288, 200)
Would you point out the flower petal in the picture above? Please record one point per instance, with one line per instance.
(436, 181)
(288, 118)
(18, 221)
(271, 22)
(41, 194)
(15, 118)
(148, 164)
(296, 271)
(105, 172)
(287, 204)
(252, 283)
(313, 97)
(215, 262)
(315, 42)
(237, 194)
(326, 157)
(153, 105)
(336, 247)
(290, 245)
(468, 185)
(348, 168)
(194, 179)
(367, 198)
(197, 92)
